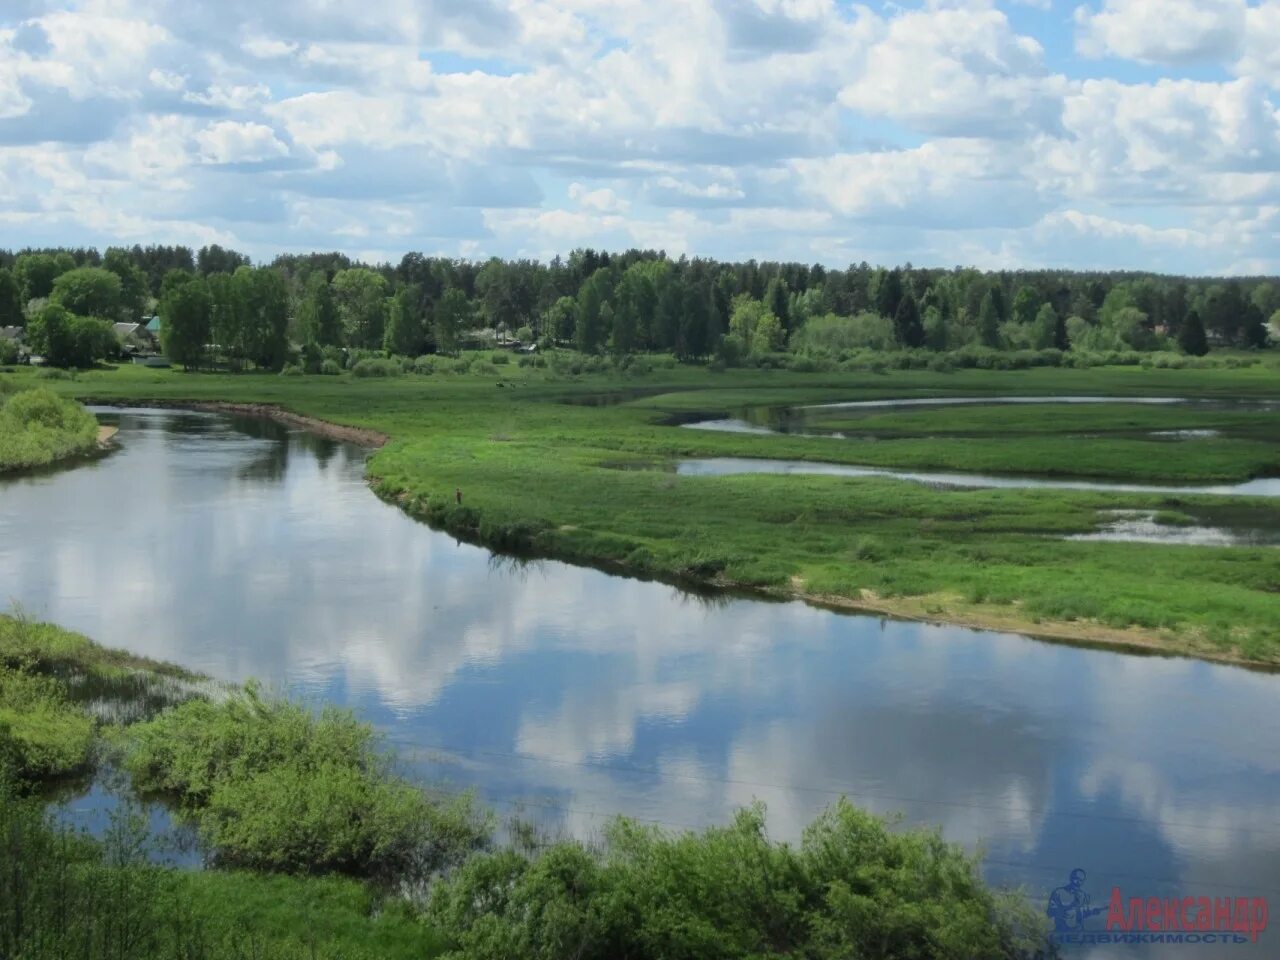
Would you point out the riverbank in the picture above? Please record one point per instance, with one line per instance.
(537, 460)
(38, 428)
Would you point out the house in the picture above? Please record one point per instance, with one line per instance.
(12, 333)
(153, 328)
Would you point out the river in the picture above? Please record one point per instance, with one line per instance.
(240, 548)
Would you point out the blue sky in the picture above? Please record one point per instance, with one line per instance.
(1140, 134)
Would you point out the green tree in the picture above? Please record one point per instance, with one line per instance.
(361, 296)
(889, 294)
(133, 281)
(89, 292)
(1191, 336)
(35, 273)
(561, 319)
(777, 297)
(452, 314)
(66, 340)
(1026, 305)
(265, 300)
(590, 330)
(769, 337)
(187, 315)
(318, 317)
(1048, 329)
(1253, 327)
(907, 328)
(406, 326)
(10, 300)
(989, 320)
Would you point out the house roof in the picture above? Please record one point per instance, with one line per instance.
(127, 329)
(11, 333)
(153, 325)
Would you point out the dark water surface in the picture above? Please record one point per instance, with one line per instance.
(239, 548)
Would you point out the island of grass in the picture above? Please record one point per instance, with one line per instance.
(38, 428)
(319, 850)
(580, 467)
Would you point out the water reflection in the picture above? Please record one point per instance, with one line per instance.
(241, 549)
(730, 466)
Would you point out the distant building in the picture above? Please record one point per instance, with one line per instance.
(153, 328)
(12, 333)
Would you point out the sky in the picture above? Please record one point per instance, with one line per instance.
(1118, 134)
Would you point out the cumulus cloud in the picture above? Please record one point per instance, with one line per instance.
(956, 71)
(229, 141)
(1162, 31)
(807, 129)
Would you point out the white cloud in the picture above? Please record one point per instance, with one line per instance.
(958, 70)
(228, 141)
(1162, 31)
(811, 129)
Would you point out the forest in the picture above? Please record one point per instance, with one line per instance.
(323, 310)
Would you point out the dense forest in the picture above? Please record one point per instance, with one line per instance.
(216, 307)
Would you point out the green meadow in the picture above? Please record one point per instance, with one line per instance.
(552, 462)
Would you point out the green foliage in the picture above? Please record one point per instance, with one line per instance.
(67, 340)
(187, 314)
(89, 292)
(318, 318)
(853, 888)
(274, 786)
(38, 428)
(376, 367)
(405, 333)
(360, 296)
(63, 894)
(834, 334)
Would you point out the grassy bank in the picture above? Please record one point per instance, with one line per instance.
(537, 457)
(39, 428)
(304, 799)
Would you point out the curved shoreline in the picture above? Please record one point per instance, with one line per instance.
(1134, 640)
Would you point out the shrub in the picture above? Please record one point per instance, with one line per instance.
(274, 786)
(499, 357)
(330, 368)
(851, 888)
(424, 365)
(291, 370)
(376, 367)
(38, 427)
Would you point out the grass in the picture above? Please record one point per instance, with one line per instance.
(536, 456)
(39, 428)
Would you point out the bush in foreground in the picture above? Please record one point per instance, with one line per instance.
(37, 428)
(852, 888)
(274, 786)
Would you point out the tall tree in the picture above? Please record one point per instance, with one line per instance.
(10, 300)
(907, 328)
(777, 298)
(361, 296)
(318, 313)
(187, 313)
(406, 331)
(1026, 304)
(1191, 336)
(1253, 327)
(89, 292)
(889, 294)
(452, 314)
(989, 320)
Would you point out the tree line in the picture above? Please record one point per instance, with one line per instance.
(215, 305)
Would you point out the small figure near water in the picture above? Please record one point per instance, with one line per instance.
(457, 494)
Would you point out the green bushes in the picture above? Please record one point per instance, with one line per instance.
(376, 367)
(37, 427)
(852, 888)
(273, 786)
(64, 895)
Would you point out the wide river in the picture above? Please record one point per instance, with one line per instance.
(240, 548)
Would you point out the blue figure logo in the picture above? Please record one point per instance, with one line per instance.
(1069, 906)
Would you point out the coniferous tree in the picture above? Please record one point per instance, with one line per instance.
(1191, 336)
(907, 327)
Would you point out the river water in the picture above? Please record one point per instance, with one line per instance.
(240, 548)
